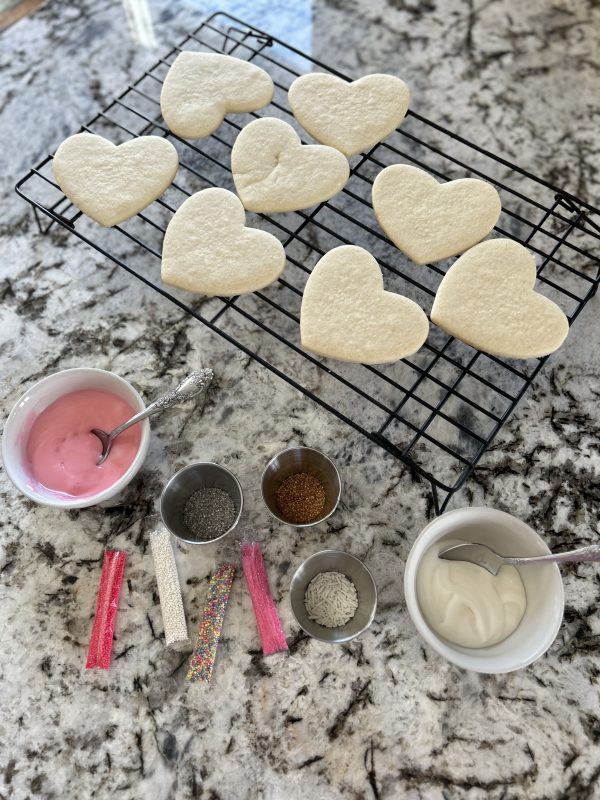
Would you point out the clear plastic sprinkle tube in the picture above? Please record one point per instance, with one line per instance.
(272, 637)
(209, 633)
(109, 590)
(169, 591)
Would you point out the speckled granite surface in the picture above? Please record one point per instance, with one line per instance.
(383, 717)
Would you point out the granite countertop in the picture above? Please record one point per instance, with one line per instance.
(381, 717)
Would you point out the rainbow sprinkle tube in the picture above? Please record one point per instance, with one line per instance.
(209, 633)
(109, 590)
(272, 637)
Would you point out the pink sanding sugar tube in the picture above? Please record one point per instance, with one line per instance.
(106, 610)
(272, 637)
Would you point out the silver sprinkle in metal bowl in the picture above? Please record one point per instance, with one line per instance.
(190, 479)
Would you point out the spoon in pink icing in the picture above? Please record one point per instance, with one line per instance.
(188, 388)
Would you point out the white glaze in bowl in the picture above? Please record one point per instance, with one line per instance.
(543, 586)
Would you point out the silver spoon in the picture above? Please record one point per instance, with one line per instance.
(487, 558)
(189, 387)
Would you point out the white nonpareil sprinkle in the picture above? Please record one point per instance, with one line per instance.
(330, 599)
(169, 591)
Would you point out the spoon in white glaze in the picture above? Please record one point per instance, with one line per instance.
(485, 557)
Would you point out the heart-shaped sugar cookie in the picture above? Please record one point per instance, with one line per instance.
(207, 248)
(351, 117)
(273, 171)
(428, 220)
(111, 183)
(487, 300)
(347, 315)
(201, 88)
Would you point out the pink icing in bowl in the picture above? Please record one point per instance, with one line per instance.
(62, 452)
(47, 452)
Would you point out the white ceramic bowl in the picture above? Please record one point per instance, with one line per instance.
(543, 587)
(35, 400)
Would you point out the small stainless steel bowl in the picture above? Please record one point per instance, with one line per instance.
(201, 475)
(301, 459)
(352, 568)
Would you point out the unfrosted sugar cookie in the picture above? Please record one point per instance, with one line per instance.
(201, 88)
(207, 248)
(346, 313)
(428, 220)
(273, 171)
(351, 117)
(111, 183)
(487, 300)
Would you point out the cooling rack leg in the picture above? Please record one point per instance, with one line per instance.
(264, 41)
(438, 506)
(38, 220)
(436, 500)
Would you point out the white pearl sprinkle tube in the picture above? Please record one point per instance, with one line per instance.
(169, 591)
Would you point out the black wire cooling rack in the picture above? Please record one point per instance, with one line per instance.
(437, 411)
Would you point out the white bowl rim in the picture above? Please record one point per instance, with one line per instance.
(110, 491)
(440, 645)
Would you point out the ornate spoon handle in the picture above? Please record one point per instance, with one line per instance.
(188, 388)
(590, 553)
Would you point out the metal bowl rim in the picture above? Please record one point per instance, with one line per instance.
(192, 466)
(371, 616)
(301, 524)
